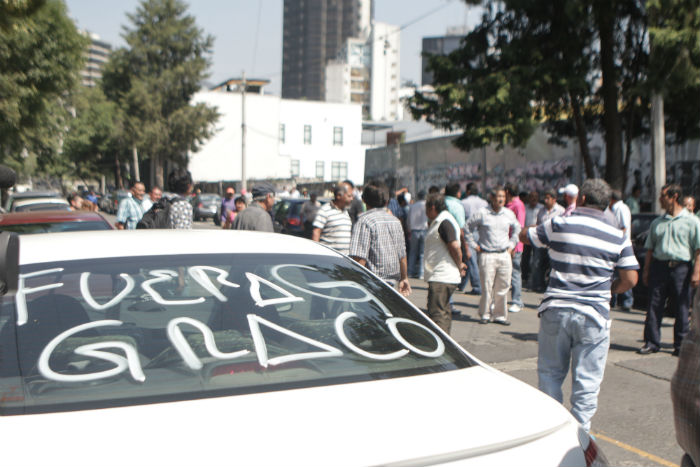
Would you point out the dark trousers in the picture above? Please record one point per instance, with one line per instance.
(526, 263)
(671, 283)
(439, 311)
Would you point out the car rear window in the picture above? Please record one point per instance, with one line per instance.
(110, 332)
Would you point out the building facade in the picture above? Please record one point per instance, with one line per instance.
(96, 56)
(314, 32)
(286, 139)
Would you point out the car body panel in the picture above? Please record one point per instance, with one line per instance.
(399, 421)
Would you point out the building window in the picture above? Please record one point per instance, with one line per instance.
(320, 169)
(339, 170)
(307, 134)
(282, 133)
(294, 168)
(337, 136)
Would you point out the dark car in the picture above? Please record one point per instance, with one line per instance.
(205, 206)
(640, 230)
(286, 216)
(52, 221)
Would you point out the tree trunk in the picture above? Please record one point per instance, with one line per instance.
(582, 136)
(605, 18)
(118, 173)
(628, 147)
(158, 164)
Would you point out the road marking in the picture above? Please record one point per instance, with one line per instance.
(639, 452)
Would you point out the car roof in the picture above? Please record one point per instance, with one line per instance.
(36, 194)
(34, 217)
(24, 202)
(41, 248)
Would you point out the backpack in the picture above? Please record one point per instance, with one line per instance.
(157, 216)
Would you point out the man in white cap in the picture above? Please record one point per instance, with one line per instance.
(570, 192)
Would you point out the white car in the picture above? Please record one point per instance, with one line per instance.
(40, 204)
(242, 348)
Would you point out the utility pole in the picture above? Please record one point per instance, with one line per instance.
(137, 174)
(484, 171)
(658, 145)
(244, 182)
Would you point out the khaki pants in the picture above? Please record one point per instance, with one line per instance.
(494, 271)
(439, 311)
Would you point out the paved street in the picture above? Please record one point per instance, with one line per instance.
(634, 422)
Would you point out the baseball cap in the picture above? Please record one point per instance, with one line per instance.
(570, 189)
(262, 189)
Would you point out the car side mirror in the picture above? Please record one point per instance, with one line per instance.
(9, 263)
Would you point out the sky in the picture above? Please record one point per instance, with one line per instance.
(248, 33)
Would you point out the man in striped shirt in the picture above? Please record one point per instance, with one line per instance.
(332, 225)
(584, 249)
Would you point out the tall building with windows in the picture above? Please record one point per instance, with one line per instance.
(96, 56)
(314, 32)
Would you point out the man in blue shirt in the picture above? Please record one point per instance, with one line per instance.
(584, 249)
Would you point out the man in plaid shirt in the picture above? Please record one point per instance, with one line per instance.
(377, 240)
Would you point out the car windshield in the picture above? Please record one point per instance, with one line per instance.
(107, 332)
(47, 227)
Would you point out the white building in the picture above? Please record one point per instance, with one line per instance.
(385, 43)
(285, 139)
(367, 71)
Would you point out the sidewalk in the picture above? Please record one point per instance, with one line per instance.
(634, 403)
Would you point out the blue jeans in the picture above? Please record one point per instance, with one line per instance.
(415, 253)
(568, 336)
(516, 280)
(472, 275)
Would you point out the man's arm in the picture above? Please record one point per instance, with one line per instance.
(404, 286)
(695, 278)
(456, 253)
(316, 234)
(523, 236)
(627, 278)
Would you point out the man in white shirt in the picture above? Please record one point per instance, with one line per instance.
(495, 248)
(153, 197)
(570, 193)
(540, 256)
(623, 217)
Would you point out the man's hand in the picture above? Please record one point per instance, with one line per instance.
(404, 287)
(511, 252)
(463, 269)
(477, 249)
(695, 279)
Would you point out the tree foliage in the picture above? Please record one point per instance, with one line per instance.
(154, 78)
(574, 67)
(41, 53)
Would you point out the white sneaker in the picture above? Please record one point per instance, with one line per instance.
(514, 308)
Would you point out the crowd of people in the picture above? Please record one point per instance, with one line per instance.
(495, 246)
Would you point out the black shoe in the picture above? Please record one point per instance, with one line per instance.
(455, 312)
(647, 349)
(676, 352)
(483, 321)
(502, 322)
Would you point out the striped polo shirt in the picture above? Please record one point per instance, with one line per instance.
(335, 226)
(584, 250)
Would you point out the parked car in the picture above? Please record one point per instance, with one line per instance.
(52, 221)
(41, 204)
(286, 215)
(205, 206)
(15, 197)
(247, 348)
